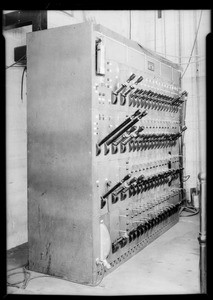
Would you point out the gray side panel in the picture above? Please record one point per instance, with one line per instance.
(59, 152)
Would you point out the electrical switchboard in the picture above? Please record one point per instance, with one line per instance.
(105, 163)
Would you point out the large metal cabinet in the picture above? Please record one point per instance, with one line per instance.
(95, 200)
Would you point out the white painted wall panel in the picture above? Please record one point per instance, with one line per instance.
(142, 26)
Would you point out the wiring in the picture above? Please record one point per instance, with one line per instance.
(193, 62)
(24, 281)
(22, 82)
(178, 56)
(16, 62)
(193, 45)
(102, 271)
(28, 278)
(188, 208)
(66, 13)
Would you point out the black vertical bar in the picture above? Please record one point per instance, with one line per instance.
(39, 21)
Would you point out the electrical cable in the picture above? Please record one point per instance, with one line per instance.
(27, 276)
(193, 62)
(22, 82)
(193, 44)
(16, 268)
(66, 13)
(178, 56)
(192, 209)
(24, 56)
(26, 279)
(102, 275)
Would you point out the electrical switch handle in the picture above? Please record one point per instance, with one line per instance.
(136, 113)
(131, 78)
(140, 78)
(178, 99)
(185, 93)
(113, 138)
(116, 186)
(183, 129)
(125, 135)
(119, 89)
(140, 128)
(136, 93)
(118, 191)
(123, 85)
(127, 91)
(135, 135)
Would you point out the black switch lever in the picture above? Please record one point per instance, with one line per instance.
(116, 186)
(129, 119)
(131, 78)
(123, 85)
(135, 120)
(183, 129)
(140, 78)
(133, 135)
(124, 136)
(132, 87)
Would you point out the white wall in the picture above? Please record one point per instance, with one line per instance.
(16, 142)
(164, 35)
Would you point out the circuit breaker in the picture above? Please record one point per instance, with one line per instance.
(105, 163)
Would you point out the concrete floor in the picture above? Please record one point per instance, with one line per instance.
(169, 265)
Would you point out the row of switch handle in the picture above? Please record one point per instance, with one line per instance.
(138, 185)
(138, 141)
(146, 98)
(145, 226)
(150, 100)
(127, 131)
(123, 128)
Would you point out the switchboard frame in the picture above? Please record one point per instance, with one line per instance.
(69, 111)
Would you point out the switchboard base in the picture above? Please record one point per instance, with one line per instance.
(141, 243)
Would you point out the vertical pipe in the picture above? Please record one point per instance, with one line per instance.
(183, 111)
(202, 234)
(198, 106)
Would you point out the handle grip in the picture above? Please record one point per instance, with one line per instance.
(123, 85)
(135, 120)
(131, 78)
(117, 185)
(140, 78)
(124, 136)
(136, 113)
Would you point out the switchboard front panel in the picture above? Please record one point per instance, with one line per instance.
(105, 166)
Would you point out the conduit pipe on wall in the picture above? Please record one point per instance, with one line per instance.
(202, 233)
